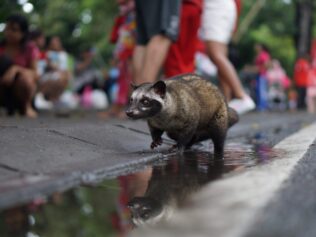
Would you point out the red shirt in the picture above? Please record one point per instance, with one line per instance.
(261, 61)
(25, 56)
(301, 70)
(198, 3)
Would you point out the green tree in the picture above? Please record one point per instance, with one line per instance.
(79, 23)
(273, 26)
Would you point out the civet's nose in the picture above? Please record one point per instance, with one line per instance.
(129, 112)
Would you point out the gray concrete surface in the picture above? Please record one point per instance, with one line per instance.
(230, 206)
(39, 157)
(292, 211)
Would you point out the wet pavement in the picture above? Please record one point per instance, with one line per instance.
(116, 206)
(41, 160)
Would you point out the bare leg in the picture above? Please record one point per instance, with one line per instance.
(225, 89)
(138, 63)
(227, 73)
(23, 90)
(310, 104)
(148, 62)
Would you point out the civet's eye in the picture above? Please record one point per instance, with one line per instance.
(131, 99)
(145, 102)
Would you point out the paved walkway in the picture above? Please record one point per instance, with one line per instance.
(39, 157)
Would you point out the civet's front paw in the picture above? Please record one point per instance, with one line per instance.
(156, 143)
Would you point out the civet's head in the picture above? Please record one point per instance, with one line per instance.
(145, 210)
(146, 100)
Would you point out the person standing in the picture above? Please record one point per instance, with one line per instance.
(123, 35)
(262, 61)
(218, 23)
(157, 26)
(278, 83)
(301, 70)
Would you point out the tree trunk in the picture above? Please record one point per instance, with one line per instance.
(304, 22)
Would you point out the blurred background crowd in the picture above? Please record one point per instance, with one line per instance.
(83, 55)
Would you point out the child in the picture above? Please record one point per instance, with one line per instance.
(278, 82)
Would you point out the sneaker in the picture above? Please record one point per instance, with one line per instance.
(243, 105)
(41, 103)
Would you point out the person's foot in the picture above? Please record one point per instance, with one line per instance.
(42, 103)
(121, 115)
(105, 115)
(30, 112)
(242, 105)
(116, 111)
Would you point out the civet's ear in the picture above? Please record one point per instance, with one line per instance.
(160, 88)
(134, 87)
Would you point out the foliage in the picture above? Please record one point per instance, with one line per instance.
(79, 23)
(82, 23)
(274, 27)
(80, 212)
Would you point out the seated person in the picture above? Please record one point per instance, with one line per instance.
(56, 76)
(86, 72)
(18, 74)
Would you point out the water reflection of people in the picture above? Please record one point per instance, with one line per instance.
(170, 186)
(16, 221)
(131, 186)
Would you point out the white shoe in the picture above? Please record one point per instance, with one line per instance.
(243, 105)
(41, 103)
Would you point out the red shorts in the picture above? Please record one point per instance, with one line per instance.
(180, 58)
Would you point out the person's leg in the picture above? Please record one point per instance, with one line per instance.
(138, 63)
(227, 74)
(301, 97)
(6, 80)
(53, 89)
(232, 87)
(310, 104)
(23, 91)
(310, 99)
(225, 89)
(7, 99)
(155, 55)
(218, 22)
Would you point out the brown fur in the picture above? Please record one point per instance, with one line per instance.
(193, 110)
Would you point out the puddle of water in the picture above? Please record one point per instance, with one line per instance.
(114, 207)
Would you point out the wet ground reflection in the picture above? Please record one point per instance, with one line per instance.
(116, 206)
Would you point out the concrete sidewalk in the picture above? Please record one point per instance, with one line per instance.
(39, 157)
